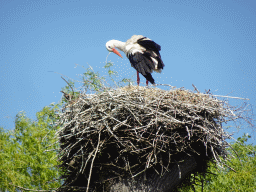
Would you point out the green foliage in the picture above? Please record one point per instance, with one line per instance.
(244, 164)
(110, 72)
(92, 80)
(69, 92)
(27, 158)
(125, 80)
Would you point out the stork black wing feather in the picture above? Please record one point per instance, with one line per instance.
(149, 44)
(143, 65)
(152, 48)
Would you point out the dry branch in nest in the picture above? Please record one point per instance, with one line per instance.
(137, 134)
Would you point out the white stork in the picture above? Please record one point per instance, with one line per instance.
(143, 54)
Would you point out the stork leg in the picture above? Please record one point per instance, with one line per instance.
(138, 78)
(147, 82)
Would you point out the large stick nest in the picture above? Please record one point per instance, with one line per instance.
(125, 132)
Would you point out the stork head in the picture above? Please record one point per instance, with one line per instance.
(110, 45)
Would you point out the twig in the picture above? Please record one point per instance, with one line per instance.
(226, 96)
(96, 151)
(195, 89)
(68, 84)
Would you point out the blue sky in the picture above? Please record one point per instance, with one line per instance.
(211, 44)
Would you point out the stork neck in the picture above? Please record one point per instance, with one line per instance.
(119, 44)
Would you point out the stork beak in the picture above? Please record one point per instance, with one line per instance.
(116, 52)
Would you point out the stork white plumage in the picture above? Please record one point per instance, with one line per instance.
(143, 54)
